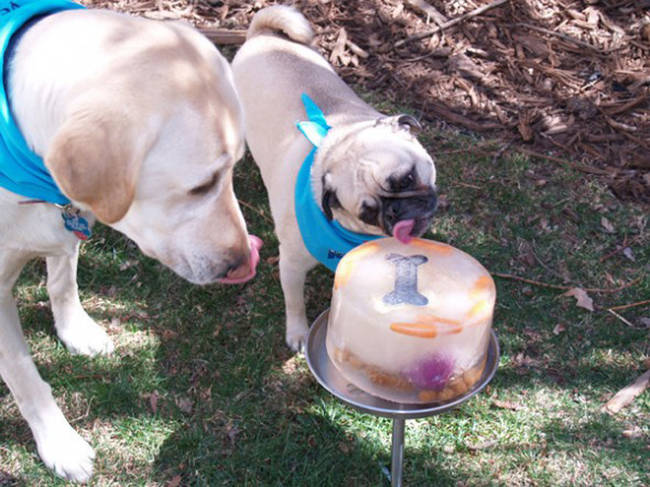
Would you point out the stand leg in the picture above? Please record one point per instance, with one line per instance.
(397, 453)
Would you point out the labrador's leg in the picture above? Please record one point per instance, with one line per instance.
(60, 447)
(75, 328)
(294, 265)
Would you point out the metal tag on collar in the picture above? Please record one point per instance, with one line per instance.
(74, 222)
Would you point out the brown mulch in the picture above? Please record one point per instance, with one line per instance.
(558, 79)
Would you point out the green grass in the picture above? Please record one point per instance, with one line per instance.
(201, 389)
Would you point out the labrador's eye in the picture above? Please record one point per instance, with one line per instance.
(207, 186)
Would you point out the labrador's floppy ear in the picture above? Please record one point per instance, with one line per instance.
(95, 158)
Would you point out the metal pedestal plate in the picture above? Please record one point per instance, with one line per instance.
(332, 380)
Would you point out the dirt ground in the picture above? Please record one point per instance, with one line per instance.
(561, 80)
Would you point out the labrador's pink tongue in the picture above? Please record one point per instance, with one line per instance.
(402, 230)
(256, 244)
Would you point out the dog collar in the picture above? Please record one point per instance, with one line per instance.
(21, 170)
(326, 240)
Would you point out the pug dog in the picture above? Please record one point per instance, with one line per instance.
(324, 152)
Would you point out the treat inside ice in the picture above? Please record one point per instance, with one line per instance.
(410, 322)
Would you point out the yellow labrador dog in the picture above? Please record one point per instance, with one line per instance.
(369, 174)
(138, 125)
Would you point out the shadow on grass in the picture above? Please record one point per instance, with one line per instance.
(210, 365)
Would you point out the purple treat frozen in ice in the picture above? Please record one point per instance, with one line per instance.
(432, 373)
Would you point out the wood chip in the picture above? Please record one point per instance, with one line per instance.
(626, 395)
(427, 9)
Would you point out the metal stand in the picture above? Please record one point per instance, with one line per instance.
(333, 381)
(397, 449)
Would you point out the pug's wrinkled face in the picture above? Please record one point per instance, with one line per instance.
(377, 177)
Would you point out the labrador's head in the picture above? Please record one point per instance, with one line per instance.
(150, 151)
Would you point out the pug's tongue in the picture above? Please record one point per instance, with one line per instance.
(402, 230)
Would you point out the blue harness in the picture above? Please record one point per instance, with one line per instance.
(326, 240)
(21, 171)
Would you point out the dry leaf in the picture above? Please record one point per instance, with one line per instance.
(153, 401)
(633, 433)
(481, 445)
(184, 404)
(582, 298)
(174, 482)
(627, 252)
(559, 328)
(607, 225)
(129, 263)
(232, 431)
(513, 406)
(168, 334)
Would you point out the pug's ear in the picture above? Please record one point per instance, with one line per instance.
(95, 158)
(329, 199)
(404, 121)
(408, 121)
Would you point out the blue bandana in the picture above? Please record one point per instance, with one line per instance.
(325, 239)
(21, 171)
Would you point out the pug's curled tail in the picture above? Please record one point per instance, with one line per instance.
(281, 19)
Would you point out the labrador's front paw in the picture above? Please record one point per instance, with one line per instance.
(66, 453)
(85, 337)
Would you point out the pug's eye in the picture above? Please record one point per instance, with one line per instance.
(206, 186)
(369, 214)
(404, 183)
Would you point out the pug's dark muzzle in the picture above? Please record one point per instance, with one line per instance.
(418, 206)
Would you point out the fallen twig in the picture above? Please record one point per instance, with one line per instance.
(623, 106)
(565, 287)
(251, 207)
(443, 112)
(467, 185)
(579, 167)
(626, 395)
(631, 305)
(451, 23)
(224, 36)
(563, 36)
(621, 318)
(620, 248)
